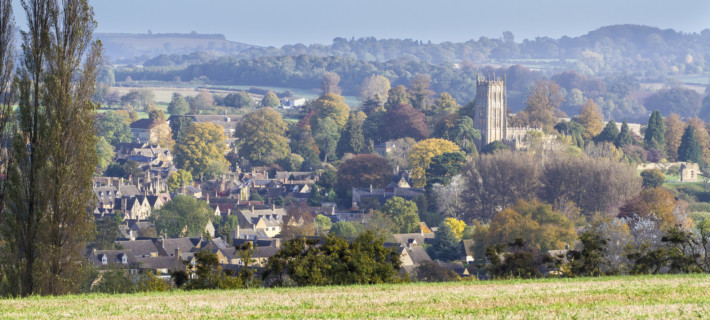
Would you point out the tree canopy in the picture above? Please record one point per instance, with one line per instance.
(202, 144)
(421, 154)
(261, 135)
(183, 216)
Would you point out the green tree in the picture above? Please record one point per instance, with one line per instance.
(443, 167)
(397, 96)
(114, 127)
(494, 147)
(183, 216)
(589, 260)
(105, 153)
(689, 149)
(178, 180)
(115, 280)
(261, 135)
(624, 138)
(421, 154)
(322, 224)
(326, 135)
(178, 126)
(315, 197)
(178, 105)
(609, 133)
(655, 133)
(419, 92)
(352, 139)
(404, 213)
(238, 100)
(329, 105)
(652, 178)
(445, 246)
(270, 100)
(202, 144)
(345, 229)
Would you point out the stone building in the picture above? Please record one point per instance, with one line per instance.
(689, 172)
(491, 118)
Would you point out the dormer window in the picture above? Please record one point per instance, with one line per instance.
(124, 259)
(104, 260)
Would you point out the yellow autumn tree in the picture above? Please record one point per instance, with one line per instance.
(591, 119)
(457, 226)
(420, 157)
(330, 105)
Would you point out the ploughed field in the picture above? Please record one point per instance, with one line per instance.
(658, 297)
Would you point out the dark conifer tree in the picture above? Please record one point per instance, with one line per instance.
(624, 138)
(689, 149)
(655, 133)
(609, 133)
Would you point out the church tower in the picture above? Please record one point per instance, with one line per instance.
(490, 110)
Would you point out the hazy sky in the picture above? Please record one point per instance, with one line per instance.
(279, 22)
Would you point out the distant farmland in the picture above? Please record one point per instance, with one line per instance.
(660, 297)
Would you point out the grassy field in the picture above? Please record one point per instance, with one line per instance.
(658, 297)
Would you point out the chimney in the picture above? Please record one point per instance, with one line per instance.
(177, 252)
(252, 209)
(421, 231)
(273, 207)
(207, 197)
(229, 211)
(370, 188)
(237, 232)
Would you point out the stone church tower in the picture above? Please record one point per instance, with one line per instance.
(490, 110)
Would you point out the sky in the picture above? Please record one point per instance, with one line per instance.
(280, 22)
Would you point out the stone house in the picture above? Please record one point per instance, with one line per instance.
(149, 130)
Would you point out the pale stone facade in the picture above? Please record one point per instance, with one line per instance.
(689, 172)
(490, 117)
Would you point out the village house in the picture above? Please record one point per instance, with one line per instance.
(268, 221)
(149, 130)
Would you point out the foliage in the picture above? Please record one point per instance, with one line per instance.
(345, 229)
(519, 261)
(654, 137)
(485, 194)
(652, 178)
(445, 246)
(431, 271)
(674, 128)
(202, 101)
(239, 100)
(682, 101)
(364, 260)
(326, 134)
(609, 134)
(375, 87)
(458, 129)
(178, 105)
(655, 203)
(457, 226)
(444, 167)
(494, 147)
(51, 150)
(202, 144)
(588, 261)
(210, 274)
(403, 121)
(351, 138)
(403, 213)
(261, 135)
(361, 171)
(543, 102)
(624, 138)
(329, 105)
(322, 224)
(590, 118)
(178, 180)
(421, 154)
(270, 100)
(183, 216)
(545, 228)
(115, 280)
(689, 149)
(114, 127)
(105, 153)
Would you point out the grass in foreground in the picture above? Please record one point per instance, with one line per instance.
(666, 297)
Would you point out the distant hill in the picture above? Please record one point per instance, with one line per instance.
(127, 47)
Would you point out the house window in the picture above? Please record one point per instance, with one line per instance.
(124, 260)
(104, 260)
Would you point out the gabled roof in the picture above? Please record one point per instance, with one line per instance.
(144, 124)
(140, 248)
(418, 255)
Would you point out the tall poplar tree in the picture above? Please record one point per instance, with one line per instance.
(47, 221)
